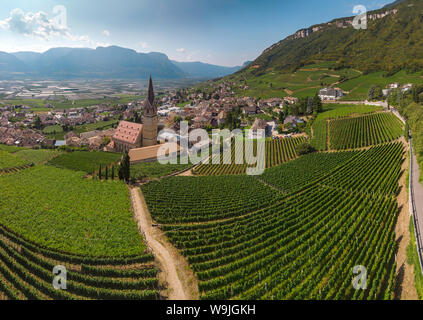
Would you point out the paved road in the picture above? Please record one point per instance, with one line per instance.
(418, 196)
(372, 103)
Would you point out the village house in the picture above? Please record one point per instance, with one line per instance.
(291, 100)
(259, 124)
(330, 94)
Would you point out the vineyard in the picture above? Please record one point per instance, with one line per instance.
(364, 131)
(88, 162)
(58, 209)
(298, 245)
(37, 156)
(9, 161)
(277, 152)
(295, 174)
(155, 169)
(205, 198)
(335, 111)
(52, 217)
(26, 273)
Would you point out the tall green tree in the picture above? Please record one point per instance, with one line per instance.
(37, 123)
(125, 167)
(371, 93)
(318, 105)
(281, 117)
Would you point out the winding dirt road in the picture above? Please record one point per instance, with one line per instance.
(175, 276)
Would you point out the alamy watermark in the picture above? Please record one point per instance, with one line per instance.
(360, 20)
(60, 16)
(60, 279)
(359, 282)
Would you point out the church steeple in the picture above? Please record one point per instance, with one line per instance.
(150, 119)
(150, 96)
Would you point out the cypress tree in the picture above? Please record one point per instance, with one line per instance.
(126, 166)
(107, 173)
(407, 131)
(99, 172)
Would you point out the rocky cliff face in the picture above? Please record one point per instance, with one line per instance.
(340, 23)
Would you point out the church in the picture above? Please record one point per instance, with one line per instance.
(129, 135)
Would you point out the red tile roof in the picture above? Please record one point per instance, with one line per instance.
(128, 132)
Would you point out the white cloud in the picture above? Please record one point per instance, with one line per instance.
(106, 33)
(181, 50)
(38, 25)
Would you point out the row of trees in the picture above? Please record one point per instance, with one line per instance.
(124, 171)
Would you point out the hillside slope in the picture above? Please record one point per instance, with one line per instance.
(393, 41)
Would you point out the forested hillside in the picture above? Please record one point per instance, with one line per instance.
(393, 41)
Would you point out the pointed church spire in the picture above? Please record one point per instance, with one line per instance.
(150, 96)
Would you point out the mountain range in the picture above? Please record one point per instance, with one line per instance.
(103, 63)
(393, 41)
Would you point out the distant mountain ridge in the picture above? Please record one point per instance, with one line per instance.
(202, 70)
(103, 63)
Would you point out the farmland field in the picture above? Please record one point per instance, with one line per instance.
(277, 152)
(301, 245)
(56, 131)
(85, 161)
(364, 131)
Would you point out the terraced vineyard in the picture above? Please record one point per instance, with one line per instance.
(277, 152)
(303, 245)
(52, 217)
(364, 131)
(26, 273)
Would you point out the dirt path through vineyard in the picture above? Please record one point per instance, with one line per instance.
(175, 275)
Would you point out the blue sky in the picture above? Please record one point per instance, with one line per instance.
(224, 32)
